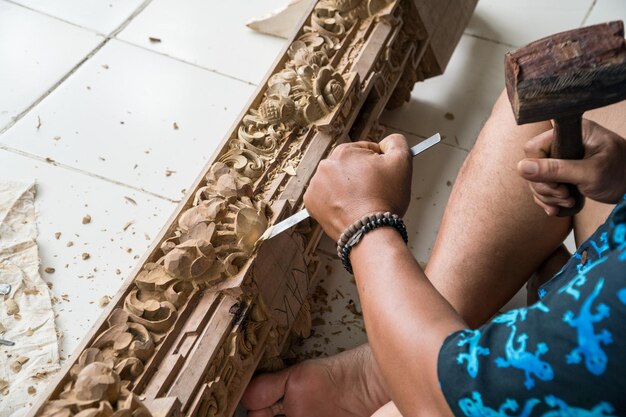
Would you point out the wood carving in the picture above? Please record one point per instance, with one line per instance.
(210, 301)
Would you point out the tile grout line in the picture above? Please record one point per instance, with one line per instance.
(593, 4)
(85, 173)
(75, 68)
(187, 62)
(55, 17)
(484, 38)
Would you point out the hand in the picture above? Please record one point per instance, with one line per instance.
(600, 175)
(344, 385)
(358, 179)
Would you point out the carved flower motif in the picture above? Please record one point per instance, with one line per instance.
(328, 87)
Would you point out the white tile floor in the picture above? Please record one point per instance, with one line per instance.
(82, 67)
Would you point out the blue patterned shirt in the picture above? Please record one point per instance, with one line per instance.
(564, 356)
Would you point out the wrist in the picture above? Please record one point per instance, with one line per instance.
(352, 236)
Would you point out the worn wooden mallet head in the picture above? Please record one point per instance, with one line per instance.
(560, 77)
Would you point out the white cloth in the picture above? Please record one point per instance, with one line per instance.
(34, 331)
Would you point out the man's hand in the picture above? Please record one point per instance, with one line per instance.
(358, 179)
(600, 175)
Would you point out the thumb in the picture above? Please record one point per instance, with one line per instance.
(393, 143)
(570, 171)
(265, 390)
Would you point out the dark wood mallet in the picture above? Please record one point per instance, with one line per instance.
(562, 76)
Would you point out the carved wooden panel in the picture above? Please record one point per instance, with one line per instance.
(209, 302)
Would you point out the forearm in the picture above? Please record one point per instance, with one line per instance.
(407, 320)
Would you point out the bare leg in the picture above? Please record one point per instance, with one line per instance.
(492, 236)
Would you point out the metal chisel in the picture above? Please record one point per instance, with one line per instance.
(303, 214)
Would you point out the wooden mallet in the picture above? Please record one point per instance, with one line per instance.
(562, 76)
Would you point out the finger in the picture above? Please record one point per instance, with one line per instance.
(394, 143)
(265, 390)
(550, 210)
(554, 201)
(568, 171)
(340, 151)
(539, 146)
(555, 190)
(396, 151)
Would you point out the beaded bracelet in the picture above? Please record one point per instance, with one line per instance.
(353, 234)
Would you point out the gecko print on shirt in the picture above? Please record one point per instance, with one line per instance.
(603, 409)
(471, 338)
(589, 343)
(564, 356)
(474, 407)
(530, 363)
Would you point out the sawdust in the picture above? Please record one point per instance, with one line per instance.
(85, 256)
(86, 219)
(49, 270)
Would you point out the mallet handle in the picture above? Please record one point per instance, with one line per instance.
(568, 144)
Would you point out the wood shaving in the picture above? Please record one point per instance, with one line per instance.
(57, 138)
(38, 123)
(50, 160)
(16, 365)
(118, 272)
(169, 172)
(130, 200)
(69, 244)
(49, 270)
(127, 225)
(65, 297)
(31, 390)
(154, 40)
(85, 256)
(290, 170)
(105, 66)
(4, 387)
(104, 301)
(31, 291)
(57, 235)
(175, 126)
(2, 328)
(12, 307)
(87, 219)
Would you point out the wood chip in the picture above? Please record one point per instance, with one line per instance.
(31, 291)
(169, 172)
(118, 272)
(4, 387)
(38, 122)
(130, 200)
(12, 307)
(49, 270)
(154, 40)
(105, 66)
(69, 243)
(87, 219)
(85, 256)
(31, 390)
(57, 235)
(127, 225)
(57, 138)
(104, 301)
(175, 126)
(290, 170)
(2, 328)
(16, 365)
